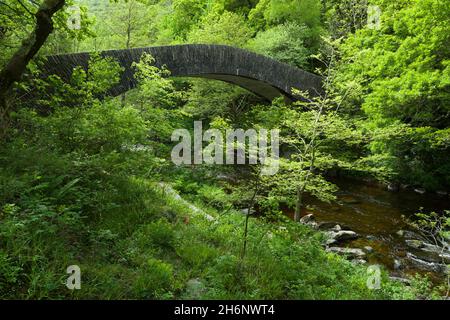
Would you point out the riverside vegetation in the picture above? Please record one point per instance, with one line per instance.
(86, 179)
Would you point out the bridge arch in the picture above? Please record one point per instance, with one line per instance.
(263, 76)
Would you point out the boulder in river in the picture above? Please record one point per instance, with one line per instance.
(336, 228)
(342, 235)
(414, 243)
(359, 261)
(402, 280)
(307, 219)
(368, 249)
(426, 265)
(433, 248)
(351, 253)
(419, 190)
(331, 225)
(445, 257)
(393, 187)
(400, 233)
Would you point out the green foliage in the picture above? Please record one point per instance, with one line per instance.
(80, 174)
(400, 73)
(154, 281)
(227, 28)
(273, 12)
(285, 43)
(186, 14)
(83, 89)
(344, 17)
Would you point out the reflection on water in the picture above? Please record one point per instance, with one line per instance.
(376, 215)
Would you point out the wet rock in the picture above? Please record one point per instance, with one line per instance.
(351, 253)
(359, 261)
(419, 190)
(445, 257)
(397, 264)
(431, 248)
(336, 228)
(402, 280)
(331, 225)
(430, 252)
(426, 265)
(410, 234)
(400, 233)
(441, 193)
(370, 237)
(416, 244)
(393, 187)
(307, 219)
(343, 235)
(368, 249)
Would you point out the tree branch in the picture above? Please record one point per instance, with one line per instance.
(16, 66)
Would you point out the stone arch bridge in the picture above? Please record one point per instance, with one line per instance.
(263, 76)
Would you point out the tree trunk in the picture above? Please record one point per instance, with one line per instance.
(16, 66)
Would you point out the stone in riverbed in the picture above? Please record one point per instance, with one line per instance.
(402, 280)
(331, 225)
(426, 265)
(359, 261)
(393, 187)
(445, 257)
(416, 244)
(368, 249)
(336, 228)
(351, 253)
(307, 219)
(397, 264)
(433, 248)
(420, 190)
(343, 235)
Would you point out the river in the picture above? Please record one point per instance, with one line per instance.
(377, 215)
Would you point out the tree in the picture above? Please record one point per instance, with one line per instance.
(127, 22)
(286, 42)
(15, 67)
(345, 16)
(317, 139)
(401, 76)
(227, 28)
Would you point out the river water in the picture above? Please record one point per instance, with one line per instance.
(377, 215)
